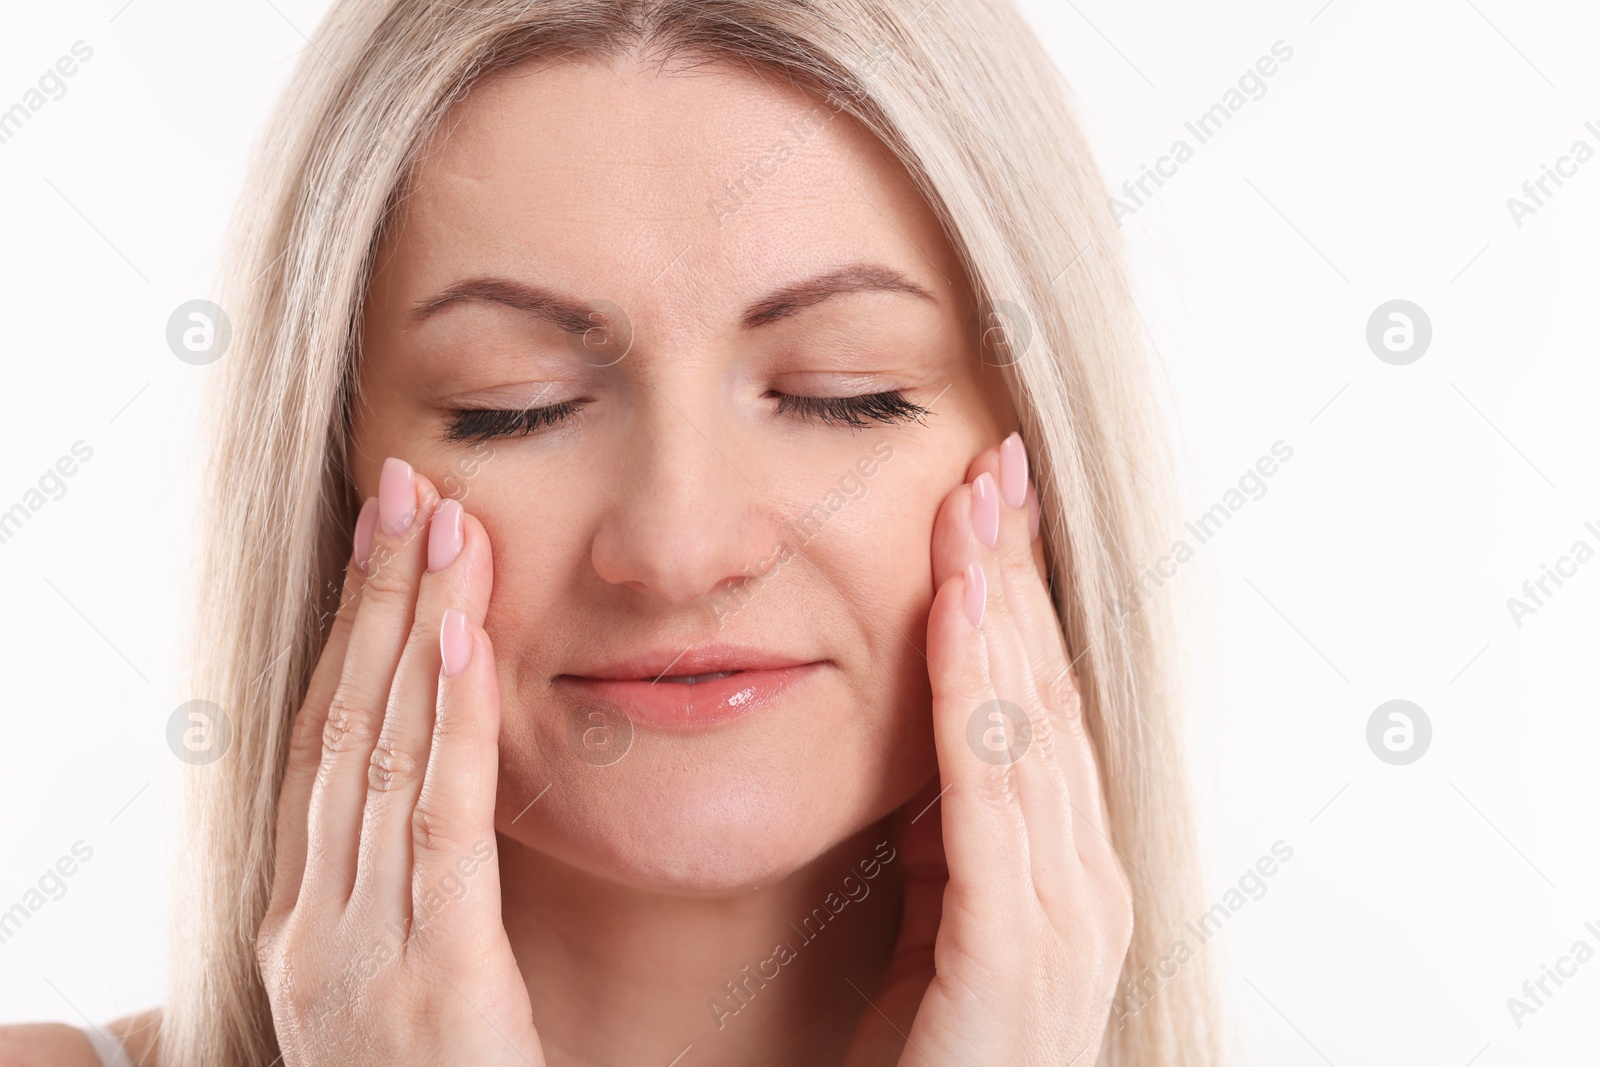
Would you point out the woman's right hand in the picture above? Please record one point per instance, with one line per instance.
(383, 942)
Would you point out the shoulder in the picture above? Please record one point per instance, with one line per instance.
(45, 1045)
(60, 1045)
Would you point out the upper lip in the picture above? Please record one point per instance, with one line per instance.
(697, 659)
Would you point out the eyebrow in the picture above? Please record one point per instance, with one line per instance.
(571, 315)
(575, 316)
(854, 278)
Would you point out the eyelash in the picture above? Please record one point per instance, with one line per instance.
(853, 411)
(481, 424)
(857, 412)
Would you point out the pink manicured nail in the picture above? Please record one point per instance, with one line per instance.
(444, 535)
(1033, 514)
(976, 593)
(455, 643)
(1014, 470)
(397, 496)
(365, 522)
(986, 510)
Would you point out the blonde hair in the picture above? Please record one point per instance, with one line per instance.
(966, 97)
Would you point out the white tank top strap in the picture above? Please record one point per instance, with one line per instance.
(107, 1047)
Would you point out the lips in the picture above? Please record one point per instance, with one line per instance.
(700, 686)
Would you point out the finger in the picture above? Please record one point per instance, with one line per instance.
(305, 735)
(1010, 727)
(1023, 573)
(456, 880)
(985, 461)
(985, 838)
(459, 576)
(356, 708)
(1028, 600)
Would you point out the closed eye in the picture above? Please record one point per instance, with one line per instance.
(857, 412)
(854, 411)
(481, 424)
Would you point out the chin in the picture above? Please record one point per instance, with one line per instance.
(713, 811)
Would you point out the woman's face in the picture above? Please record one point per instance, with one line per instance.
(680, 491)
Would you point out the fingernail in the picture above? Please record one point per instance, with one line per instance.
(1014, 470)
(455, 643)
(444, 535)
(986, 510)
(977, 592)
(365, 522)
(1033, 514)
(397, 496)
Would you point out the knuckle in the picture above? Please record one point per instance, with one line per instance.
(393, 764)
(302, 1000)
(305, 737)
(450, 720)
(344, 620)
(302, 984)
(349, 599)
(388, 578)
(997, 785)
(424, 636)
(349, 725)
(435, 830)
(1018, 559)
(1060, 691)
(1043, 726)
(280, 959)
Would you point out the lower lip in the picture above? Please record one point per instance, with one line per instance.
(676, 705)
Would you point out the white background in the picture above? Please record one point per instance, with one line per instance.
(1377, 566)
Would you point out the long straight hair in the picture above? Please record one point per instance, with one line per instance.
(966, 97)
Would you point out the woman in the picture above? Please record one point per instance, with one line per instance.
(718, 433)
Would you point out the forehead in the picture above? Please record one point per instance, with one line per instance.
(625, 181)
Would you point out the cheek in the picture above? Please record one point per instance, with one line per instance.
(884, 555)
(877, 557)
(538, 548)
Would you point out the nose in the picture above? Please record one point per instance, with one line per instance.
(682, 522)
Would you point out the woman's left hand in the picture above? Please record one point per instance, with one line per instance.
(1017, 910)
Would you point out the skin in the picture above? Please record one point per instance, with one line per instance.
(597, 924)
